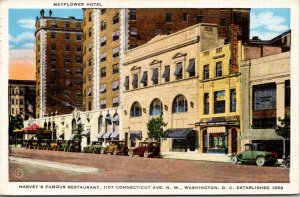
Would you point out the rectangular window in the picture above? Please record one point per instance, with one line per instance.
(78, 25)
(90, 76)
(132, 14)
(185, 17)
(103, 25)
(115, 68)
(219, 50)
(219, 69)
(178, 71)
(135, 80)
(166, 73)
(78, 37)
(264, 96)
(103, 57)
(67, 25)
(67, 48)
(155, 76)
(103, 11)
(67, 36)
(103, 103)
(53, 23)
(53, 58)
(206, 53)
(200, 19)
(157, 32)
(79, 59)
(103, 41)
(115, 85)
(102, 88)
(53, 35)
(13, 101)
(116, 35)
(103, 72)
(133, 32)
(115, 52)
(219, 102)
(287, 93)
(90, 16)
(67, 60)
(144, 79)
(132, 46)
(191, 68)
(206, 72)
(90, 32)
(115, 101)
(78, 48)
(126, 84)
(90, 46)
(222, 22)
(169, 17)
(232, 100)
(206, 103)
(90, 62)
(238, 16)
(116, 19)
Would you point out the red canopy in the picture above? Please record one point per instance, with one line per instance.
(33, 127)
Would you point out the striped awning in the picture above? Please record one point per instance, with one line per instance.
(216, 130)
(115, 134)
(106, 135)
(99, 135)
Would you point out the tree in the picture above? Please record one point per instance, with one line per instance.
(155, 128)
(283, 129)
(78, 131)
(15, 122)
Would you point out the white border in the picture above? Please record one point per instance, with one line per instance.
(12, 188)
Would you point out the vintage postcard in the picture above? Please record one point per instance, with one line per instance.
(149, 98)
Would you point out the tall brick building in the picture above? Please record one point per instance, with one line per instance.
(109, 33)
(58, 65)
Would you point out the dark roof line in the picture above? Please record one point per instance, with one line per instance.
(60, 18)
(271, 40)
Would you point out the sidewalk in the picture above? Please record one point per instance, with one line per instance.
(196, 156)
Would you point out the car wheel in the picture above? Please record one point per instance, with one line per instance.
(115, 151)
(102, 151)
(233, 159)
(130, 153)
(260, 161)
(286, 163)
(146, 154)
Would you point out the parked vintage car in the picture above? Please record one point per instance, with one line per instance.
(94, 147)
(43, 144)
(254, 153)
(54, 145)
(145, 149)
(64, 145)
(74, 145)
(115, 147)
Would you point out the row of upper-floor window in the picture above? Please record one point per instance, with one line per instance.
(103, 56)
(219, 102)
(13, 110)
(66, 36)
(67, 60)
(66, 24)
(68, 82)
(115, 68)
(103, 103)
(179, 104)
(15, 101)
(78, 48)
(180, 68)
(103, 87)
(185, 17)
(17, 91)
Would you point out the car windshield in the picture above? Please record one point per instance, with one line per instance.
(261, 147)
(248, 147)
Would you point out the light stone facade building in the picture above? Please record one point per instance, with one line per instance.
(265, 97)
(161, 78)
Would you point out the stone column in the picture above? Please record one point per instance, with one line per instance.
(280, 99)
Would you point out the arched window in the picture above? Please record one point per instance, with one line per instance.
(179, 104)
(156, 108)
(135, 110)
(73, 125)
(100, 123)
(49, 125)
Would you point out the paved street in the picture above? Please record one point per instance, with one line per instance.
(122, 168)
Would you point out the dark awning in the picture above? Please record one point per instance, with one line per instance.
(178, 69)
(191, 67)
(144, 78)
(260, 134)
(166, 72)
(155, 74)
(135, 80)
(178, 133)
(135, 134)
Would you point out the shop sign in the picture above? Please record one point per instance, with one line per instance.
(234, 42)
(216, 123)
